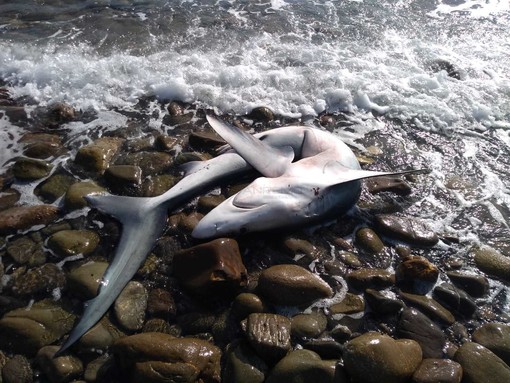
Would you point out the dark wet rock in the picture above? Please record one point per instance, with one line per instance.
(98, 155)
(377, 358)
(72, 242)
(60, 113)
(138, 144)
(211, 267)
(305, 366)
(40, 280)
(303, 249)
(418, 327)
(368, 241)
(31, 169)
(308, 325)
(206, 203)
(327, 121)
(480, 365)
(269, 335)
(41, 145)
(149, 162)
(54, 187)
(101, 336)
(196, 322)
(157, 185)
(24, 217)
(16, 114)
(84, 280)
(326, 348)
(205, 141)
(25, 251)
(247, 303)
(406, 229)
(122, 176)
(370, 279)
(75, 193)
(292, 285)
(27, 330)
(243, 365)
(429, 307)
(350, 259)
(17, 370)
(161, 325)
(455, 299)
(492, 262)
(185, 157)
(160, 303)
(176, 108)
(388, 184)
(351, 304)
(416, 274)
(154, 357)
(8, 198)
(340, 333)
(92, 372)
(166, 143)
(334, 267)
(180, 119)
(495, 337)
(261, 114)
(381, 303)
(475, 285)
(62, 369)
(183, 222)
(438, 371)
(451, 69)
(130, 306)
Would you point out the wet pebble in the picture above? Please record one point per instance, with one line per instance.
(205, 140)
(292, 285)
(370, 278)
(269, 335)
(27, 330)
(72, 242)
(243, 365)
(211, 267)
(381, 303)
(54, 187)
(388, 184)
(480, 365)
(8, 198)
(60, 113)
(39, 280)
(475, 285)
(351, 304)
(368, 241)
(438, 371)
(308, 325)
(24, 217)
(25, 251)
(157, 185)
(326, 348)
(62, 369)
(29, 169)
(17, 370)
(130, 306)
(261, 114)
(74, 196)
(303, 366)
(121, 176)
(206, 203)
(183, 222)
(429, 307)
(414, 325)
(41, 145)
(416, 274)
(150, 163)
(406, 229)
(376, 358)
(84, 280)
(160, 303)
(157, 357)
(496, 337)
(247, 303)
(455, 299)
(492, 262)
(98, 155)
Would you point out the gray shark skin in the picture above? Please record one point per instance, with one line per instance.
(323, 182)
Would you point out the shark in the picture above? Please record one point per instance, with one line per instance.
(307, 175)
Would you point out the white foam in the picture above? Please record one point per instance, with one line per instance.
(9, 136)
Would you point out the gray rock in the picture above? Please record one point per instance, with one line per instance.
(305, 366)
(492, 262)
(480, 365)
(376, 358)
(406, 229)
(496, 337)
(292, 285)
(438, 371)
(416, 326)
(269, 335)
(17, 370)
(370, 279)
(62, 369)
(72, 242)
(243, 365)
(130, 306)
(475, 285)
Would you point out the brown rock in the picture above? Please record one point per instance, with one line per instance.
(406, 229)
(31, 169)
(262, 114)
(308, 325)
(475, 285)
(292, 285)
(97, 156)
(496, 337)
(60, 113)
(388, 184)
(370, 278)
(25, 251)
(75, 193)
(492, 262)
(84, 280)
(130, 306)
(161, 303)
(72, 242)
(17, 370)
(480, 365)
(62, 369)
(438, 371)
(8, 198)
(247, 303)
(150, 163)
(24, 217)
(368, 241)
(54, 187)
(206, 140)
(101, 336)
(41, 145)
(39, 280)
(416, 274)
(429, 307)
(269, 335)
(211, 267)
(351, 304)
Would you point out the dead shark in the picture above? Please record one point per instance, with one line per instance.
(308, 175)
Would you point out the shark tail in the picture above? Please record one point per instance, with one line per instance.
(143, 221)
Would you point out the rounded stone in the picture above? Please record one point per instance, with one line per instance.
(406, 229)
(247, 303)
(206, 203)
(41, 145)
(388, 184)
(97, 156)
(308, 325)
(54, 187)
(25, 251)
(480, 365)
(496, 337)
(429, 307)
(269, 335)
(62, 369)
(31, 169)
(85, 279)
(492, 262)
(376, 358)
(130, 306)
(150, 163)
(351, 304)
(292, 285)
(17, 370)
(262, 114)
(416, 274)
(24, 217)
(39, 280)
(438, 371)
(381, 303)
(8, 198)
(475, 285)
(72, 242)
(370, 278)
(243, 365)
(74, 196)
(160, 303)
(101, 336)
(368, 241)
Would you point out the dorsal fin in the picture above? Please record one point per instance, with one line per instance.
(269, 161)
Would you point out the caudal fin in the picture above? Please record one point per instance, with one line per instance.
(143, 221)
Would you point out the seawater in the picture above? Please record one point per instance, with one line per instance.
(381, 61)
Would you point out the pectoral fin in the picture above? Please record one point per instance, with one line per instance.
(269, 161)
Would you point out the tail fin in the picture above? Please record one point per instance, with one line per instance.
(143, 221)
